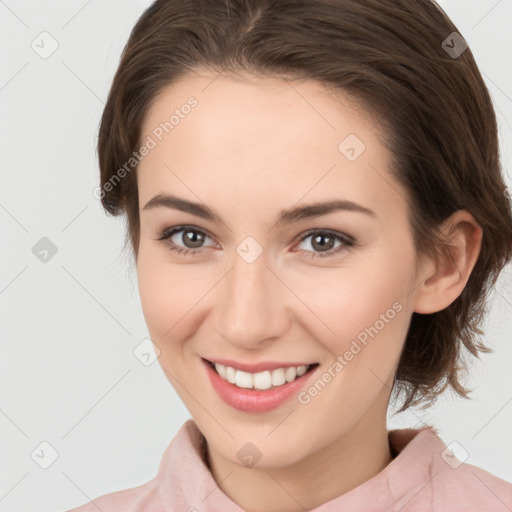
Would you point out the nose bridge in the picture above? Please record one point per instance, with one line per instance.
(250, 308)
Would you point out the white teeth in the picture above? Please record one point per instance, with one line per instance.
(230, 374)
(221, 370)
(301, 370)
(278, 377)
(261, 380)
(290, 373)
(243, 379)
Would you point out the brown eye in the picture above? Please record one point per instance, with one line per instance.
(184, 239)
(192, 239)
(322, 243)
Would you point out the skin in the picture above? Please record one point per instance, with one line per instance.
(251, 148)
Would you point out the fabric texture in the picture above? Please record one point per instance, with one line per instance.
(424, 476)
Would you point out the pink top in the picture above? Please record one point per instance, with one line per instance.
(424, 476)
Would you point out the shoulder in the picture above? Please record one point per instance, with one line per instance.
(455, 483)
(427, 474)
(465, 484)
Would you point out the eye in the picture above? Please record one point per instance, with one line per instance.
(324, 241)
(191, 237)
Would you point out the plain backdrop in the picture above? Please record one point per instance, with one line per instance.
(71, 386)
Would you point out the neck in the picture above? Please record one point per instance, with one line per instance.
(354, 458)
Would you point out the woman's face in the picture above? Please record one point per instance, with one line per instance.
(252, 282)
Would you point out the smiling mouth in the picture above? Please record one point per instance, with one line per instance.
(259, 381)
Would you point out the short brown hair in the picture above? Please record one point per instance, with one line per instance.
(433, 108)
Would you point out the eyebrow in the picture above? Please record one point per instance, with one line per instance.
(285, 217)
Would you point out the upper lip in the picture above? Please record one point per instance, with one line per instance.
(257, 367)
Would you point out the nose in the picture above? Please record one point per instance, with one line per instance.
(251, 309)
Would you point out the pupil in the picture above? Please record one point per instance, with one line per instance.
(324, 247)
(193, 238)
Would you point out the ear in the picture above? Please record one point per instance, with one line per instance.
(445, 279)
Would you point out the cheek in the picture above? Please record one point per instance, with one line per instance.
(170, 295)
(367, 320)
(363, 307)
(162, 293)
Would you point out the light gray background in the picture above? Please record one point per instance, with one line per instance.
(68, 374)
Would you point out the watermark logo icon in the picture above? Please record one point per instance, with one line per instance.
(146, 352)
(351, 147)
(44, 455)
(248, 249)
(249, 454)
(454, 45)
(454, 454)
(44, 250)
(45, 45)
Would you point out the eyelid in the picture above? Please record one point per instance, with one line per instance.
(168, 232)
(337, 234)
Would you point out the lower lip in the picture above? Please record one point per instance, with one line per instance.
(251, 400)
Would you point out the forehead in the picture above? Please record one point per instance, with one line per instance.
(266, 135)
(257, 106)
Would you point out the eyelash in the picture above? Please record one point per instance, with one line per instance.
(347, 241)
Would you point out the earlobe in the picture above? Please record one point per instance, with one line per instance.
(447, 277)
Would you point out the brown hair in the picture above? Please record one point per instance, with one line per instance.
(433, 108)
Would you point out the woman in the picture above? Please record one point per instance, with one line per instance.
(316, 211)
